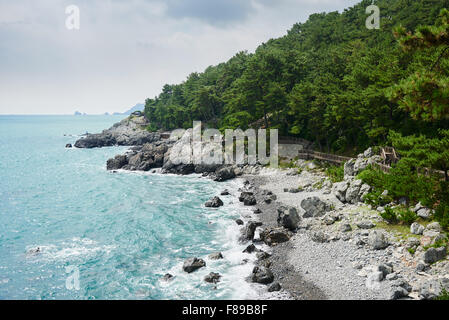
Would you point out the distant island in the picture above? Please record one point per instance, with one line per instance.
(137, 107)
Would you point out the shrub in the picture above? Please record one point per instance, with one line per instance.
(376, 199)
(152, 127)
(407, 216)
(439, 243)
(389, 215)
(442, 215)
(287, 165)
(444, 295)
(404, 181)
(374, 177)
(336, 173)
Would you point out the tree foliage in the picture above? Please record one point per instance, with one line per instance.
(329, 80)
(425, 93)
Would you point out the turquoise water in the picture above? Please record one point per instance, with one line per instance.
(122, 231)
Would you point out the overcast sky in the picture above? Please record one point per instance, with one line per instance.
(125, 51)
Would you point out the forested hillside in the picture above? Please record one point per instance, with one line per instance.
(329, 80)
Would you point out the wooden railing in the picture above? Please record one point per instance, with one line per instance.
(314, 155)
(389, 156)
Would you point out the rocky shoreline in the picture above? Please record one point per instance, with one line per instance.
(324, 243)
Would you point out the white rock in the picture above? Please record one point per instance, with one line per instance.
(416, 228)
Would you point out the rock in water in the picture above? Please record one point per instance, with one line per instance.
(168, 277)
(249, 231)
(225, 173)
(117, 163)
(193, 264)
(288, 218)
(262, 275)
(212, 277)
(216, 256)
(215, 202)
(250, 249)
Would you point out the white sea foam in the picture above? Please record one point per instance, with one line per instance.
(67, 250)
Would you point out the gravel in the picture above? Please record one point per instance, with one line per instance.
(335, 270)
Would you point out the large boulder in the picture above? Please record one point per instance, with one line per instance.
(273, 236)
(434, 226)
(433, 255)
(352, 194)
(128, 132)
(96, 141)
(262, 275)
(288, 218)
(224, 173)
(416, 228)
(212, 277)
(340, 189)
(363, 160)
(248, 198)
(349, 168)
(315, 207)
(193, 264)
(431, 289)
(141, 158)
(360, 164)
(365, 224)
(364, 190)
(377, 240)
(216, 256)
(424, 213)
(215, 202)
(117, 163)
(397, 293)
(368, 153)
(249, 231)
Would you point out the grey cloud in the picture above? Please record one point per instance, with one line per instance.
(127, 50)
(214, 12)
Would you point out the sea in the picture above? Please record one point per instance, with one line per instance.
(69, 229)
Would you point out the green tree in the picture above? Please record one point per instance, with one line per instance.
(425, 94)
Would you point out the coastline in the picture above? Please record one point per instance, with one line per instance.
(313, 239)
(304, 268)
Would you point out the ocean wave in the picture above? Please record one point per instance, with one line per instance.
(76, 247)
